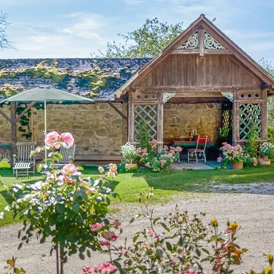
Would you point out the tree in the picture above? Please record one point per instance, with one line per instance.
(4, 42)
(268, 66)
(146, 41)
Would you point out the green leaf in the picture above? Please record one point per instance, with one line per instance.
(81, 256)
(169, 246)
(135, 238)
(76, 207)
(165, 226)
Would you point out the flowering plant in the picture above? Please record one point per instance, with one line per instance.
(235, 154)
(129, 152)
(63, 206)
(148, 157)
(267, 149)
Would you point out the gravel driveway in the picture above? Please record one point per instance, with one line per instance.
(253, 210)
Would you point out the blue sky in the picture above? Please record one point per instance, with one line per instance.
(69, 28)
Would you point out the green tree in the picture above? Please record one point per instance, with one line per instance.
(269, 67)
(147, 41)
(4, 41)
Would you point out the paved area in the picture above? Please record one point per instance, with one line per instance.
(183, 164)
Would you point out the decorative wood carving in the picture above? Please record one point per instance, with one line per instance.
(211, 43)
(229, 95)
(191, 42)
(168, 95)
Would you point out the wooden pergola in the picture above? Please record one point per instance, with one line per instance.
(201, 65)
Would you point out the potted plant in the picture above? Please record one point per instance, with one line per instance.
(233, 155)
(129, 154)
(266, 151)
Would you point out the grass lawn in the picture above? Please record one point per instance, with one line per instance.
(166, 184)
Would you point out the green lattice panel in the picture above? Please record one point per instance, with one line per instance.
(146, 113)
(250, 115)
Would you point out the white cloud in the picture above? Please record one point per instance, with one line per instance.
(133, 2)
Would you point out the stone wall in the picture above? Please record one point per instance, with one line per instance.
(180, 119)
(97, 128)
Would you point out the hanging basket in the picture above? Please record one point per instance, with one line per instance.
(237, 166)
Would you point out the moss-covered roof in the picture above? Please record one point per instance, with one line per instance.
(93, 78)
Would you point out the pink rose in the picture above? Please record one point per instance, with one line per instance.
(179, 149)
(69, 169)
(191, 271)
(106, 268)
(67, 138)
(104, 243)
(147, 164)
(96, 226)
(101, 169)
(110, 236)
(219, 159)
(163, 162)
(52, 138)
(89, 269)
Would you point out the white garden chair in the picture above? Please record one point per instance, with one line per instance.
(68, 156)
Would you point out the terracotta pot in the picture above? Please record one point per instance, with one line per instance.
(131, 167)
(264, 162)
(265, 157)
(236, 166)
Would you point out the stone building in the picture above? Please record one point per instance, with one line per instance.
(199, 83)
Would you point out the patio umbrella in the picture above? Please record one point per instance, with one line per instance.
(45, 94)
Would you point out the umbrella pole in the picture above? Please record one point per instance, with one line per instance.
(45, 123)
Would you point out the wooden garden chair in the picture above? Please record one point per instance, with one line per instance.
(22, 161)
(68, 156)
(199, 151)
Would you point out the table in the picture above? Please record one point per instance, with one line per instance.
(21, 169)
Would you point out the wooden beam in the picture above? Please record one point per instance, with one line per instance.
(206, 51)
(5, 115)
(236, 122)
(25, 111)
(201, 36)
(179, 89)
(160, 124)
(191, 100)
(131, 117)
(118, 110)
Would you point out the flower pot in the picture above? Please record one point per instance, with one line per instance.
(264, 162)
(236, 166)
(131, 167)
(265, 157)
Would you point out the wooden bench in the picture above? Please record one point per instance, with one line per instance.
(21, 169)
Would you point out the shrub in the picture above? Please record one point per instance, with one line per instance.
(148, 157)
(63, 206)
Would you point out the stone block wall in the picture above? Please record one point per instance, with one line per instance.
(97, 128)
(180, 119)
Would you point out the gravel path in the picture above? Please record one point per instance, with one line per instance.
(253, 210)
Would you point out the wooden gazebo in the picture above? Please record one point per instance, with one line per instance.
(201, 66)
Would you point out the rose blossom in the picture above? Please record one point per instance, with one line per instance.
(101, 169)
(96, 226)
(67, 138)
(219, 159)
(106, 268)
(52, 138)
(69, 169)
(90, 269)
(110, 236)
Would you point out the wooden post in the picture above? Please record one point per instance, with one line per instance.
(131, 117)
(13, 126)
(236, 123)
(160, 122)
(264, 116)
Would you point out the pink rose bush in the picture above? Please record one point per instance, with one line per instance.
(64, 206)
(150, 158)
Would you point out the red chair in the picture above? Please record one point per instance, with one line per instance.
(199, 151)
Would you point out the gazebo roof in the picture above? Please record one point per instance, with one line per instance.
(234, 50)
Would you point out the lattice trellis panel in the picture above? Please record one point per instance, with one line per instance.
(226, 118)
(250, 115)
(147, 113)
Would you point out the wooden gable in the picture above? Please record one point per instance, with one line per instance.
(204, 59)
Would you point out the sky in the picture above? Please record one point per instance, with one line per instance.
(75, 29)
